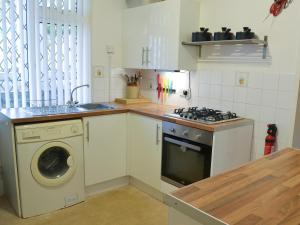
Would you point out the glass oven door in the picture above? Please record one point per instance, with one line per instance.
(184, 162)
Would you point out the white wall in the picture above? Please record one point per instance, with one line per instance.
(107, 30)
(282, 31)
(279, 78)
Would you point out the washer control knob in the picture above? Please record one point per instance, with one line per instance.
(185, 133)
(74, 129)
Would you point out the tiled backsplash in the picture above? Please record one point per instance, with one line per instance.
(266, 98)
(100, 86)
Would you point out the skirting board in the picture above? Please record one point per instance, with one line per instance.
(1, 187)
(146, 188)
(121, 182)
(106, 186)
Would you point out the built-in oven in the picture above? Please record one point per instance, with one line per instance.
(186, 154)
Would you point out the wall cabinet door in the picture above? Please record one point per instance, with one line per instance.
(135, 37)
(153, 34)
(105, 145)
(145, 145)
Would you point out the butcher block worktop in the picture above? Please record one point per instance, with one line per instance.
(157, 111)
(264, 192)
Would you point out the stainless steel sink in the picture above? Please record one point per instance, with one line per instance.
(95, 106)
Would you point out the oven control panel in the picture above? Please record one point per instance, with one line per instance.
(192, 134)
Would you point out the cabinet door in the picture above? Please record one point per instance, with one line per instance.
(163, 35)
(145, 149)
(105, 148)
(134, 37)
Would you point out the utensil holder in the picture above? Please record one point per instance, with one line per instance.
(132, 92)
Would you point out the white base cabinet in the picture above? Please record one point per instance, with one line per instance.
(144, 149)
(105, 146)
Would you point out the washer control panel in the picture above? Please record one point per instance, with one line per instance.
(48, 131)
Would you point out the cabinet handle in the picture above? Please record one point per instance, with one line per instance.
(157, 134)
(143, 56)
(147, 58)
(88, 131)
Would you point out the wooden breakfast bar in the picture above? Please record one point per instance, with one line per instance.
(264, 192)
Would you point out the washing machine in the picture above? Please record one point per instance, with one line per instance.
(50, 166)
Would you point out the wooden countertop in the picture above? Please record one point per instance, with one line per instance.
(265, 192)
(157, 111)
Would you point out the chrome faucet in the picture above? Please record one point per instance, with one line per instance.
(71, 102)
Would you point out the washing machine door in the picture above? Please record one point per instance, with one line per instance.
(53, 164)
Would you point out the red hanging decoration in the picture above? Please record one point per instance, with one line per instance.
(277, 7)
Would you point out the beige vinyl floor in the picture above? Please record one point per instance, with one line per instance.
(124, 206)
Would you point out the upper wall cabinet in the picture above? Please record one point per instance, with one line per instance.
(153, 35)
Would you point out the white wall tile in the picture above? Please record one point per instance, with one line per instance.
(270, 81)
(239, 109)
(240, 94)
(214, 103)
(227, 106)
(100, 83)
(195, 84)
(254, 96)
(204, 90)
(203, 102)
(255, 80)
(216, 77)
(253, 111)
(215, 91)
(268, 115)
(285, 100)
(283, 116)
(227, 93)
(269, 98)
(287, 82)
(205, 77)
(228, 78)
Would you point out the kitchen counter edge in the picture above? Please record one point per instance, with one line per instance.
(156, 111)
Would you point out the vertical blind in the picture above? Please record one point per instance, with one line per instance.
(44, 52)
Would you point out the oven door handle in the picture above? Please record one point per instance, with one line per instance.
(183, 144)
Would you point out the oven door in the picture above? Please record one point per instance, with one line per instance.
(184, 162)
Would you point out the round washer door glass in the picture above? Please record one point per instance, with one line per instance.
(53, 164)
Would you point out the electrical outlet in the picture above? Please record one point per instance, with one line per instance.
(99, 71)
(242, 79)
(186, 93)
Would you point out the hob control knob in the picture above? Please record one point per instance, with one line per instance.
(198, 136)
(185, 133)
(172, 130)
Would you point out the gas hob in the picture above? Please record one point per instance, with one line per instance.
(203, 115)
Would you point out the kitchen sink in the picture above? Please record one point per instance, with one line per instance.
(95, 106)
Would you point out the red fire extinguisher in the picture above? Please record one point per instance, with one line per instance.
(270, 139)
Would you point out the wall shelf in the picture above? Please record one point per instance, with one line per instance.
(264, 43)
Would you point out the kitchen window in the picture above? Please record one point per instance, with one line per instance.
(44, 52)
